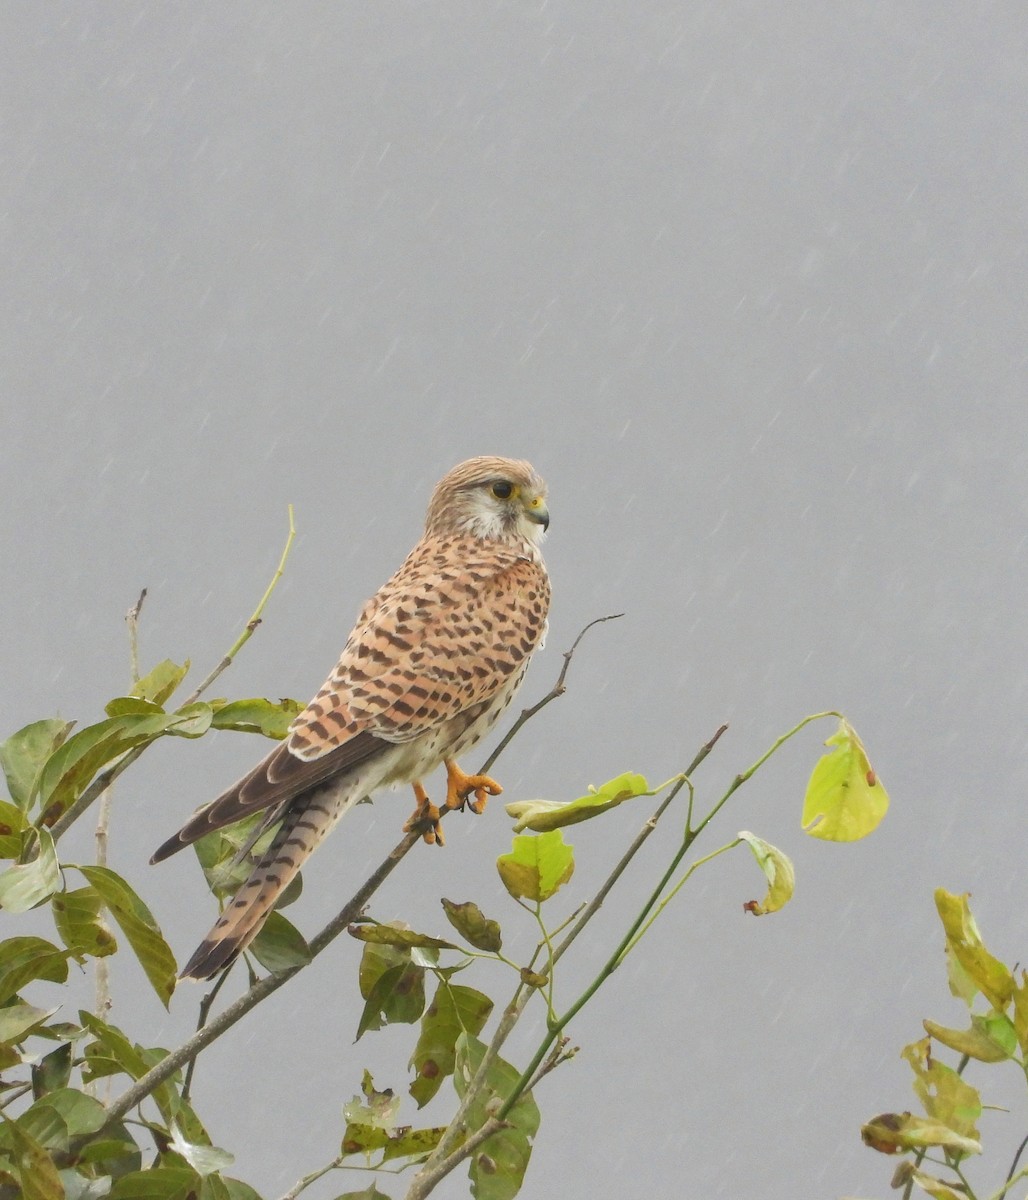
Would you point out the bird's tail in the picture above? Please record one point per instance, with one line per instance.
(307, 821)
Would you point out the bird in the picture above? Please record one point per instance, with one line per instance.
(435, 657)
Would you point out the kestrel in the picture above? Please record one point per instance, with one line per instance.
(435, 657)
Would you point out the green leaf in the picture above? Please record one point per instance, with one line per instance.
(24, 753)
(454, 1010)
(392, 986)
(237, 1190)
(157, 1183)
(78, 921)
(992, 978)
(39, 1178)
(17, 1020)
(131, 706)
(471, 924)
(894, 1133)
(13, 822)
(280, 946)
(23, 959)
(112, 1052)
(191, 721)
(391, 935)
(159, 684)
(781, 877)
(53, 1071)
(543, 815)
(258, 716)
(61, 1115)
(537, 866)
(139, 927)
(369, 1193)
(497, 1168)
(68, 772)
(845, 800)
(27, 884)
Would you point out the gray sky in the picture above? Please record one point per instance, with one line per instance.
(746, 284)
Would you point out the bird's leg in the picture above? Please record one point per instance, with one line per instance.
(459, 788)
(425, 819)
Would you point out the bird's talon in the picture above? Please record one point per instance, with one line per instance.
(460, 788)
(425, 819)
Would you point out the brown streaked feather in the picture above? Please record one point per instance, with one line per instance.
(439, 641)
(276, 780)
(306, 823)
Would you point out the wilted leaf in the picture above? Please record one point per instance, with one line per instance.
(280, 945)
(23, 754)
(78, 921)
(988, 1039)
(989, 975)
(258, 716)
(845, 799)
(894, 1133)
(23, 959)
(781, 877)
(27, 884)
(543, 815)
(390, 935)
(477, 929)
(159, 684)
(13, 822)
(190, 721)
(139, 927)
(947, 1098)
(454, 1010)
(498, 1167)
(537, 866)
(204, 1160)
(907, 1172)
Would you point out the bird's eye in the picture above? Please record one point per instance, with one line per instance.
(502, 490)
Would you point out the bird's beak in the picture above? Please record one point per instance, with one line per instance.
(536, 511)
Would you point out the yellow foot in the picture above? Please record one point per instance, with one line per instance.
(425, 819)
(459, 788)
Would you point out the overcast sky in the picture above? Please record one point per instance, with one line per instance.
(746, 283)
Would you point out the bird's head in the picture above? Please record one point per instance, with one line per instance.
(499, 499)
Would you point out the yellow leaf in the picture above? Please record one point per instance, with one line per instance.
(781, 877)
(845, 800)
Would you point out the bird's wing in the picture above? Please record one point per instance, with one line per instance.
(447, 634)
(273, 782)
(442, 636)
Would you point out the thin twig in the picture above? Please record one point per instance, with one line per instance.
(303, 1184)
(255, 618)
(426, 1179)
(203, 1013)
(1017, 1159)
(522, 996)
(106, 778)
(558, 690)
(132, 620)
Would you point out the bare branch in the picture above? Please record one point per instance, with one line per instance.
(558, 690)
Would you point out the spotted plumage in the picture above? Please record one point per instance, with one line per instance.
(435, 657)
